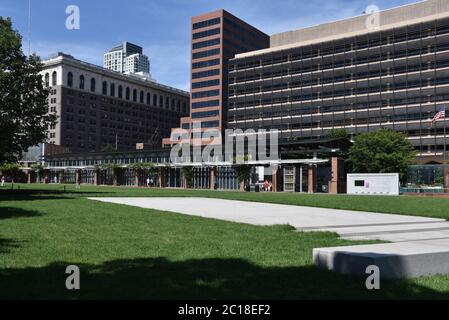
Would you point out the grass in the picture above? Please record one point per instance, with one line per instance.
(130, 252)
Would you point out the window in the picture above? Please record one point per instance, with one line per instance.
(92, 85)
(161, 101)
(154, 100)
(209, 124)
(70, 79)
(148, 98)
(205, 114)
(206, 63)
(206, 33)
(359, 183)
(47, 79)
(203, 94)
(207, 73)
(105, 87)
(120, 92)
(207, 53)
(205, 104)
(141, 97)
(203, 84)
(135, 95)
(53, 78)
(167, 102)
(127, 93)
(81, 82)
(206, 23)
(112, 90)
(206, 43)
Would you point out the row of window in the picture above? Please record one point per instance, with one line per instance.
(205, 104)
(206, 33)
(203, 84)
(204, 94)
(205, 74)
(127, 94)
(207, 53)
(205, 114)
(204, 64)
(206, 23)
(207, 43)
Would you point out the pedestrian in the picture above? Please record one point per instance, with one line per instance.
(265, 185)
(270, 186)
(148, 182)
(3, 181)
(78, 184)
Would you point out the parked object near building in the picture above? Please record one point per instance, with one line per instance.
(373, 183)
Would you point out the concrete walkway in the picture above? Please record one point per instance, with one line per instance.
(421, 244)
(348, 224)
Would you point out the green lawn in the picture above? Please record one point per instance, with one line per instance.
(128, 252)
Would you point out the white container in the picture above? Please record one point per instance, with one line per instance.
(373, 183)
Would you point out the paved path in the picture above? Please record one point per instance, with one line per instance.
(348, 224)
(420, 246)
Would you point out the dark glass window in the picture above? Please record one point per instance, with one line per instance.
(205, 114)
(203, 94)
(127, 93)
(204, 74)
(207, 43)
(207, 53)
(205, 104)
(112, 91)
(105, 87)
(81, 82)
(120, 92)
(135, 95)
(53, 78)
(206, 63)
(141, 97)
(206, 33)
(92, 85)
(203, 84)
(206, 23)
(69, 79)
(148, 98)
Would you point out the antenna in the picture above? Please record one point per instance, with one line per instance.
(29, 28)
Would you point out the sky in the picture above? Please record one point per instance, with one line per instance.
(161, 27)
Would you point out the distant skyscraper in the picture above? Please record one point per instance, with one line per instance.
(127, 58)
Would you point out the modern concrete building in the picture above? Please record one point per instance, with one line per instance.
(388, 69)
(216, 38)
(127, 58)
(99, 108)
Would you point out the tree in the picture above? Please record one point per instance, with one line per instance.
(383, 151)
(337, 133)
(24, 118)
(9, 168)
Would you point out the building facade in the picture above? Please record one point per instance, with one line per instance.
(127, 58)
(216, 38)
(98, 108)
(352, 75)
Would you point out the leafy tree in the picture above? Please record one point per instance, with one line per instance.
(11, 169)
(187, 172)
(24, 118)
(108, 148)
(337, 133)
(383, 151)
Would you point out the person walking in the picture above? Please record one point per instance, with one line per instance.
(265, 185)
(148, 182)
(3, 181)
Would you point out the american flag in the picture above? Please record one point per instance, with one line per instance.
(440, 114)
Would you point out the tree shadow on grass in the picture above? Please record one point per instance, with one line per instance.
(7, 244)
(13, 212)
(160, 278)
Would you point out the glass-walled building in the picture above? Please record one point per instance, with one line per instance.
(350, 75)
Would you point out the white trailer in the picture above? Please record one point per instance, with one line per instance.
(373, 183)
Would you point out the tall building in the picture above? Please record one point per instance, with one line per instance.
(98, 108)
(351, 74)
(216, 38)
(127, 58)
